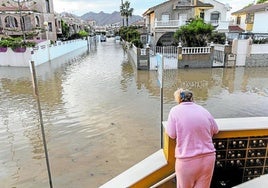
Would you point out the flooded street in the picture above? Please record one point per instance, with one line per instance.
(102, 116)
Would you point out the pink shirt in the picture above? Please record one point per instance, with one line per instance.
(193, 127)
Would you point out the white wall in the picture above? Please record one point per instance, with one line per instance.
(41, 54)
(260, 22)
(11, 58)
(259, 49)
(220, 7)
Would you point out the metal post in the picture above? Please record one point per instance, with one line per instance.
(36, 92)
(161, 101)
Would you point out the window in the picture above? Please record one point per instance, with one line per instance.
(37, 21)
(214, 16)
(11, 22)
(165, 17)
(238, 21)
(47, 6)
(27, 24)
(49, 26)
(202, 14)
(249, 18)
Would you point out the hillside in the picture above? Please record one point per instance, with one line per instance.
(102, 18)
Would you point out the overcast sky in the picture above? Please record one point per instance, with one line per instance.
(80, 7)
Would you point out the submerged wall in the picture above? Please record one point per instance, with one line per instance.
(42, 53)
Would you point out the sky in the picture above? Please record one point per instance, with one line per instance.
(80, 7)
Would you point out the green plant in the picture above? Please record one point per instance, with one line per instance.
(129, 33)
(194, 34)
(137, 43)
(217, 38)
(16, 43)
(5, 43)
(83, 33)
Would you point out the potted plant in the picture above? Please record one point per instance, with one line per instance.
(4, 44)
(18, 45)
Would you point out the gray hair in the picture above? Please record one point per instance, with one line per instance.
(182, 95)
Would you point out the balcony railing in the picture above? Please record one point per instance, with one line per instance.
(168, 23)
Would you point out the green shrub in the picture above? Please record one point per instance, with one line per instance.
(16, 43)
(83, 33)
(137, 43)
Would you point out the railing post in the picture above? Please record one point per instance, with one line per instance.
(148, 55)
(211, 53)
(179, 49)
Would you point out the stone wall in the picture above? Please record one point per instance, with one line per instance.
(257, 60)
(195, 61)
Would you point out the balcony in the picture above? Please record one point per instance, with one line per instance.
(168, 24)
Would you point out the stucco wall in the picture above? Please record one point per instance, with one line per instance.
(219, 7)
(259, 19)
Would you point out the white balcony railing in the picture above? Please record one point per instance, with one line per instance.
(196, 50)
(168, 23)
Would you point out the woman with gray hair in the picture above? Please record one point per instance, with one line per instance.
(193, 128)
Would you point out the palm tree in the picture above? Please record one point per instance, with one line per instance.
(126, 11)
(122, 12)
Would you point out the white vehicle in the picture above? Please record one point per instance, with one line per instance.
(103, 38)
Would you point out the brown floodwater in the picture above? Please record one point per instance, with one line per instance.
(102, 116)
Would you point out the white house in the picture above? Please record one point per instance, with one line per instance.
(164, 19)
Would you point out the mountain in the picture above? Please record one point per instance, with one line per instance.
(102, 18)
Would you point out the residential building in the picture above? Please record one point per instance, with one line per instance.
(252, 18)
(28, 18)
(38, 20)
(164, 19)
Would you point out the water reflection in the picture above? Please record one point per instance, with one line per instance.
(99, 113)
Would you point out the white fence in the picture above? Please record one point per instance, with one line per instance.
(196, 50)
(166, 51)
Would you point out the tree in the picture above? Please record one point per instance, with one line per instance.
(65, 30)
(122, 12)
(261, 1)
(194, 34)
(126, 11)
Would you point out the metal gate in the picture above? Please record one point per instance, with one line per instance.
(218, 56)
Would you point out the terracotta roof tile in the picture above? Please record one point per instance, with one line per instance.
(235, 28)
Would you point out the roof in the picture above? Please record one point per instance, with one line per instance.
(151, 9)
(252, 9)
(235, 29)
(199, 4)
(4, 8)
